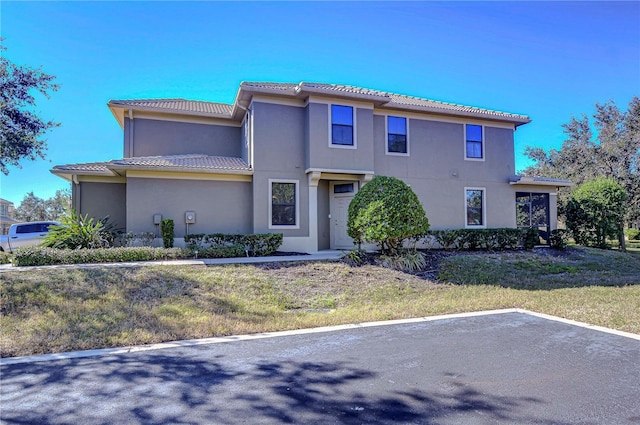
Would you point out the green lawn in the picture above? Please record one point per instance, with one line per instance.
(54, 310)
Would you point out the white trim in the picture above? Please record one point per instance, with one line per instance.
(438, 118)
(354, 125)
(386, 136)
(484, 209)
(297, 194)
(482, 145)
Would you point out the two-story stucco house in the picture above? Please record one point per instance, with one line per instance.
(289, 158)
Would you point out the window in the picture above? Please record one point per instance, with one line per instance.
(474, 198)
(397, 135)
(342, 125)
(343, 188)
(473, 147)
(284, 204)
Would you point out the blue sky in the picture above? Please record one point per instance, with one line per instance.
(549, 60)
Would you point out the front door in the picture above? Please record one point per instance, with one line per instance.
(341, 195)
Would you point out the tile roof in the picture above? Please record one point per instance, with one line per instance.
(89, 167)
(186, 163)
(204, 162)
(177, 105)
(383, 98)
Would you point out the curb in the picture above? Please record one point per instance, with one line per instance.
(323, 329)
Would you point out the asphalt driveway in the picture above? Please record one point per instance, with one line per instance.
(509, 368)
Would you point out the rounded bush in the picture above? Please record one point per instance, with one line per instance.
(386, 212)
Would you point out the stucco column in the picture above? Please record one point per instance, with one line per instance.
(314, 178)
(553, 211)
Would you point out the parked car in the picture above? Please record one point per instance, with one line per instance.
(25, 234)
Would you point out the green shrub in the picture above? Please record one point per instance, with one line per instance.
(531, 238)
(5, 257)
(134, 239)
(479, 239)
(355, 257)
(257, 245)
(77, 231)
(558, 238)
(222, 251)
(386, 212)
(632, 234)
(166, 228)
(42, 256)
(445, 238)
(596, 212)
(405, 260)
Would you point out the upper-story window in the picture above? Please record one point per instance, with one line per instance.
(342, 125)
(397, 142)
(474, 146)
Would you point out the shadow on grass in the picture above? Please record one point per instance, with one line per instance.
(176, 389)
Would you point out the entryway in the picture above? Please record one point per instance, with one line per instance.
(341, 193)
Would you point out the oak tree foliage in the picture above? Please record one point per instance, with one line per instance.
(21, 129)
(607, 145)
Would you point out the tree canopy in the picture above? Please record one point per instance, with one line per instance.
(595, 212)
(608, 146)
(34, 208)
(21, 129)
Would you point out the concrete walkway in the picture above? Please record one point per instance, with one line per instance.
(327, 255)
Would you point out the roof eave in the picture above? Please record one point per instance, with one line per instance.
(530, 181)
(122, 167)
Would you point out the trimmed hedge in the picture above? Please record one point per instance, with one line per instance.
(210, 246)
(484, 239)
(41, 256)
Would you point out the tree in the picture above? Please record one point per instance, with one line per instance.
(595, 212)
(21, 129)
(34, 208)
(610, 149)
(386, 212)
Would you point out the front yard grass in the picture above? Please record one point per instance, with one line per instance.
(55, 310)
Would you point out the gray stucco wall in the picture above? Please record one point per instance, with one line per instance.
(438, 172)
(101, 199)
(155, 138)
(320, 155)
(279, 154)
(220, 206)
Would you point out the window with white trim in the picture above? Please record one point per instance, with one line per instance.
(397, 141)
(284, 204)
(342, 133)
(475, 207)
(474, 145)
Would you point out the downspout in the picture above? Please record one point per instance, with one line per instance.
(74, 179)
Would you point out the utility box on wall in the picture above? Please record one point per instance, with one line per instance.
(190, 217)
(157, 218)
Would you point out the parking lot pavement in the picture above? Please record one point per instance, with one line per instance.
(508, 368)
